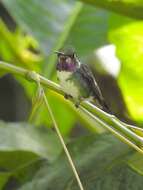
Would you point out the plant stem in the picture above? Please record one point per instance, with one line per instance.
(10, 68)
(112, 130)
(63, 143)
(110, 120)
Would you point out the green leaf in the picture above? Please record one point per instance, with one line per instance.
(21, 149)
(21, 171)
(127, 35)
(136, 162)
(131, 8)
(4, 176)
(66, 118)
(89, 30)
(47, 25)
(20, 54)
(63, 113)
(99, 161)
(16, 137)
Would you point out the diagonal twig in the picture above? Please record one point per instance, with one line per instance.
(63, 143)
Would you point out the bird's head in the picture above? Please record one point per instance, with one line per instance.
(67, 61)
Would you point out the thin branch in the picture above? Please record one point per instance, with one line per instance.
(63, 143)
(36, 101)
(111, 120)
(113, 131)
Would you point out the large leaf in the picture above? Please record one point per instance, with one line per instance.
(3, 179)
(136, 162)
(132, 8)
(127, 35)
(23, 137)
(22, 172)
(43, 19)
(99, 161)
(89, 30)
(21, 149)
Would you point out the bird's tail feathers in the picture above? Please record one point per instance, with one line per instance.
(104, 105)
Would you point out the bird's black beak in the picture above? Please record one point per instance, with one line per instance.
(59, 53)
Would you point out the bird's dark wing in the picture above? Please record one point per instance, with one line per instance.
(87, 75)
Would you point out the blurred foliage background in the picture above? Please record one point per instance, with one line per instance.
(107, 35)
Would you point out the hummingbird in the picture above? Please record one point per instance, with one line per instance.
(77, 80)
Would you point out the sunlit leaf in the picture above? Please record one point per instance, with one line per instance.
(20, 54)
(63, 114)
(127, 35)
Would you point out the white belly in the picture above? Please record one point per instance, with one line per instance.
(67, 85)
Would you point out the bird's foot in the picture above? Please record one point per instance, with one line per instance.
(67, 96)
(77, 104)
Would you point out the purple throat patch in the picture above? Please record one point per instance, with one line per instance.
(66, 66)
